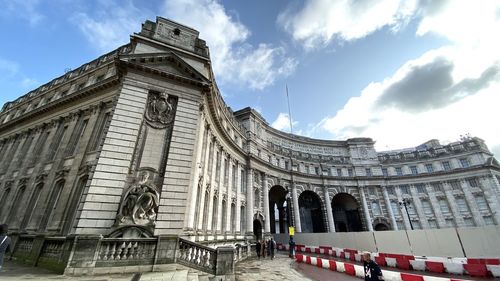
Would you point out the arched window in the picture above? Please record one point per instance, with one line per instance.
(51, 206)
(16, 204)
(214, 214)
(243, 217)
(73, 207)
(205, 210)
(32, 205)
(233, 218)
(3, 201)
(224, 216)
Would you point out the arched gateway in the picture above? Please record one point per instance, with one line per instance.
(279, 209)
(311, 214)
(345, 210)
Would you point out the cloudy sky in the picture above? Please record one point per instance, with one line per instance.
(400, 72)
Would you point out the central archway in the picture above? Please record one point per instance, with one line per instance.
(257, 229)
(345, 210)
(278, 209)
(311, 214)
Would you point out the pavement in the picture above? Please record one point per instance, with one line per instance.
(253, 269)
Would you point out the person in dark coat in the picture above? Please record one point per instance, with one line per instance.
(291, 248)
(258, 247)
(272, 246)
(371, 268)
(4, 243)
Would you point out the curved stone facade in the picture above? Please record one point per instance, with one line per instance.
(140, 143)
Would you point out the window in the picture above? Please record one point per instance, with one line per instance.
(462, 205)
(71, 148)
(23, 151)
(270, 159)
(316, 170)
(339, 172)
(433, 224)
(473, 182)
(226, 171)
(469, 222)
(210, 158)
(242, 219)
(368, 172)
(258, 153)
(376, 208)
(420, 188)
(38, 150)
(426, 205)
(450, 222)
(98, 134)
(399, 171)
(481, 203)
(404, 189)
(429, 168)
(384, 172)
(443, 206)
(446, 165)
(411, 208)
(217, 166)
(395, 208)
(390, 190)
(278, 162)
(455, 185)
(16, 204)
(233, 178)
(287, 165)
(56, 142)
(243, 182)
(465, 163)
(80, 86)
(488, 220)
(371, 191)
(99, 78)
(416, 224)
(437, 187)
(350, 172)
(414, 170)
(215, 214)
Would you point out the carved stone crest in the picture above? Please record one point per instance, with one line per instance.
(160, 110)
(140, 205)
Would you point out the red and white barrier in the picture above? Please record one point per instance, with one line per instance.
(358, 271)
(472, 267)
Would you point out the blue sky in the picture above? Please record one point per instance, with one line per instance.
(400, 72)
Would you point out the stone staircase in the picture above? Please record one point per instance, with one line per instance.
(178, 272)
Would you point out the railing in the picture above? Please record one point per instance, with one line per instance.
(24, 245)
(53, 248)
(120, 251)
(197, 256)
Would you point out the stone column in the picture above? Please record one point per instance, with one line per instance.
(471, 201)
(435, 206)
(249, 200)
(202, 208)
(265, 189)
(191, 224)
(459, 220)
(389, 208)
(212, 185)
(238, 201)
(221, 193)
(329, 212)
(489, 185)
(365, 208)
(296, 211)
(229, 194)
(418, 206)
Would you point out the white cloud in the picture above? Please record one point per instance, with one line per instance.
(319, 22)
(282, 123)
(234, 60)
(24, 9)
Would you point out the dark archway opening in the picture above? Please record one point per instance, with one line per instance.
(345, 210)
(279, 210)
(381, 227)
(311, 215)
(257, 229)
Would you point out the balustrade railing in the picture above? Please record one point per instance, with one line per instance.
(121, 251)
(197, 256)
(24, 245)
(53, 248)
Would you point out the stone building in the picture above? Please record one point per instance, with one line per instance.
(139, 144)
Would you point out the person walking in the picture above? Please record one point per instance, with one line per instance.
(371, 268)
(4, 243)
(269, 247)
(264, 248)
(272, 246)
(291, 248)
(258, 248)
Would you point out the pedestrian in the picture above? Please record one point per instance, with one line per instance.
(4, 243)
(258, 248)
(272, 246)
(291, 249)
(269, 247)
(264, 248)
(372, 270)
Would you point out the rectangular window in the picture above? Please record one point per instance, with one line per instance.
(56, 142)
(462, 205)
(371, 191)
(368, 172)
(437, 187)
(416, 224)
(446, 165)
(339, 172)
(426, 205)
(481, 203)
(217, 166)
(278, 162)
(405, 189)
(376, 208)
(455, 185)
(469, 222)
(287, 164)
(420, 188)
(24, 149)
(210, 158)
(433, 224)
(473, 182)
(384, 172)
(395, 208)
(443, 206)
(414, 170)
(233, 187)
(243, 182)
(399, 171)
(316, 170)
(488, 220)
(465, 163)
(390, 190)
(429, 168)
(270, 159)
(38, 150)
(71, 148)
(411, 208)
(100, 128)
(350, 172)
(226, 172)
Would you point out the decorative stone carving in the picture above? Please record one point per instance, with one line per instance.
(85, 169)
(40, 178)
(160, 110)
(24, 181)
(140, 205)
(62, 173)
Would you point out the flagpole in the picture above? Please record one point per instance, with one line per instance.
(291, 243)
(289, 111)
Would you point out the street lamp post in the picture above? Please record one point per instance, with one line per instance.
(406, 203)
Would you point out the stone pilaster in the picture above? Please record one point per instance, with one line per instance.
(471, 201)
(369, 224)
(249, 205)
(459, 220)
(329, 212)
(435, 206)
(296, 211)
(389, 208)
(265, 190)
(418, 206)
